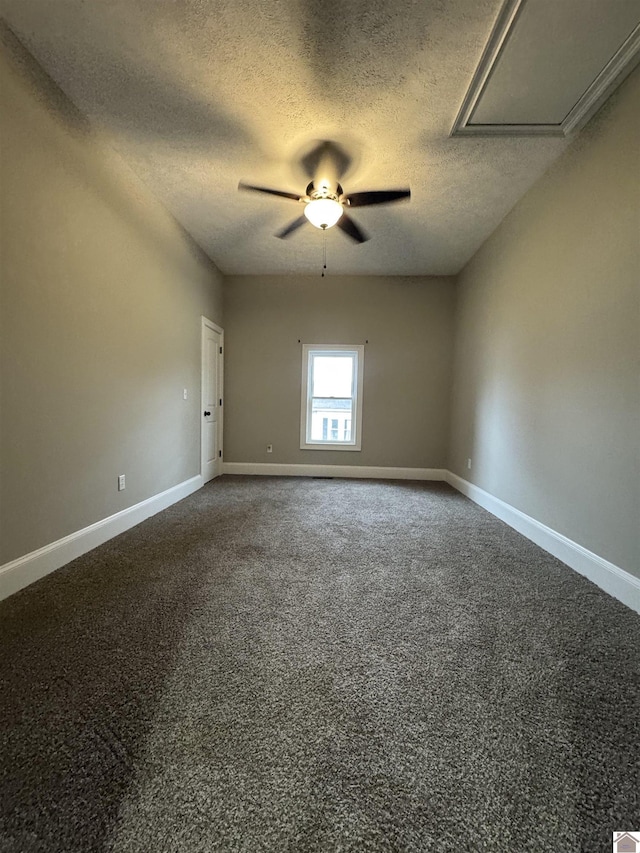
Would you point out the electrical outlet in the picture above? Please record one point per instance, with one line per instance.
(185, 394)
(469, 464)
(121, 483)
(269, 448)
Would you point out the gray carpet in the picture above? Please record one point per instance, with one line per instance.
(318, 665)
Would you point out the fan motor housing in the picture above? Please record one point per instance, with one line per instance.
(324, 192)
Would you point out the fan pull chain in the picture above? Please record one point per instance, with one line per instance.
(324, 252)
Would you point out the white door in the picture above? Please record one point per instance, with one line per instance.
(211, 411)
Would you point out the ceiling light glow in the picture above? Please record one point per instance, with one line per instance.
(323, 212)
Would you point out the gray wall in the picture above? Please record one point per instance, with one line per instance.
(101, 297)
(407, 366)
(547, 397)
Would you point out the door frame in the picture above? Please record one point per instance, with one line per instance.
(205, 324)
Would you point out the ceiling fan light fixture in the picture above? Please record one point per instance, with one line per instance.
(326, 203)
(323, 212)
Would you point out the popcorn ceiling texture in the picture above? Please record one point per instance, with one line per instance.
(198, 95)
(282, 664)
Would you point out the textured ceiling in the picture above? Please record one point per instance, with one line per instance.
(199, 94)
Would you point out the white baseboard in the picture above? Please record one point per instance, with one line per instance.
(609, 577)
(25, 570)
(365, 472)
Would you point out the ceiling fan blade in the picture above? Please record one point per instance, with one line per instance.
(349, 227)
(291, 227)
(377, 197)
(280, 193)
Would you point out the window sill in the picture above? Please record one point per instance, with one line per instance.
(328, 446)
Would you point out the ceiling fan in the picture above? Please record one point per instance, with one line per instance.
(325, 205)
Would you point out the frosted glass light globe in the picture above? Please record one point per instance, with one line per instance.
(323, 212)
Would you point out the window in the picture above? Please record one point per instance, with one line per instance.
(331, 397)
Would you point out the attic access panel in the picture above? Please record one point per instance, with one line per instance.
(548, 65)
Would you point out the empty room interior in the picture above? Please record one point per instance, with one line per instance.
(320, 426)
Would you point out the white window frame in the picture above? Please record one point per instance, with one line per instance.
(306, 443)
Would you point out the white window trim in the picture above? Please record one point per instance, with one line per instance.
(305, 410)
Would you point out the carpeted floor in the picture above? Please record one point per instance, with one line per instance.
(318, 665)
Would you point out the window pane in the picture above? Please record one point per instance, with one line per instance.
(331, 419)
(332, 376)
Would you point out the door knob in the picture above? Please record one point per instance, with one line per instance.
(207, 413)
